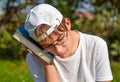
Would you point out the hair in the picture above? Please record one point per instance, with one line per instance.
(41, 29)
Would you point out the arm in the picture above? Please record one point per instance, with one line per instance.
(51, 73)
(103, 70)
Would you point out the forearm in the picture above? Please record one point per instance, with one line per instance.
(51, 74)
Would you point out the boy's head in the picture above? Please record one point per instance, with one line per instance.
(46, 25)
(42, 15)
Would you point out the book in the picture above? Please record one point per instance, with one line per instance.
(22, 36)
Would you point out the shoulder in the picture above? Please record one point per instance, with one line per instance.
(96, 45)
(93, 44)
(93, 39)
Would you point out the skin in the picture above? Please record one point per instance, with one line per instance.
(67, 49)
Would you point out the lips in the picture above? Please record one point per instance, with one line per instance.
(62, 54)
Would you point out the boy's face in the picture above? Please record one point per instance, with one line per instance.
(59, 43)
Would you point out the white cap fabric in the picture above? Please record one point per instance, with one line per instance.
(42, 14)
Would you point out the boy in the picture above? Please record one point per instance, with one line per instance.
(78, 57)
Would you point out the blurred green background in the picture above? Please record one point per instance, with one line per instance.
(105, 24)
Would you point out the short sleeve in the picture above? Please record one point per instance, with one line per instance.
(102, 63)
(36, 68)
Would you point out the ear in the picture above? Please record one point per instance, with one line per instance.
(68, 23)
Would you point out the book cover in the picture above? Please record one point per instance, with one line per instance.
(23, 37)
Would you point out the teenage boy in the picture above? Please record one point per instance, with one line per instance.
(78, 57)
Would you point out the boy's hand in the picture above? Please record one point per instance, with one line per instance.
(33, 54)
(37, 57)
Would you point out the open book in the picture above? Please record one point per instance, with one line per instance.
(23, 37)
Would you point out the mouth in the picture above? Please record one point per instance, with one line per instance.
(62, 55)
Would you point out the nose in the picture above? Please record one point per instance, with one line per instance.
(58, 48)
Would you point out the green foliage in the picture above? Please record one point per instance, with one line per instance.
(14, 71)
(115, 71)
(115, 48)
(9, 47)
(105, 24)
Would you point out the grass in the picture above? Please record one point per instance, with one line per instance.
(115, 66)
(16, 71)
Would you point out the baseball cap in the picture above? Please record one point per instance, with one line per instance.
(42, 14)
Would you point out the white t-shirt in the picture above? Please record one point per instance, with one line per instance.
(89, 63)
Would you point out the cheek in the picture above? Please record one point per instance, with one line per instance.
(68, 46)
(52, 51)
(65, 48)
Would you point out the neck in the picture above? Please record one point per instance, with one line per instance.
(75, 40)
